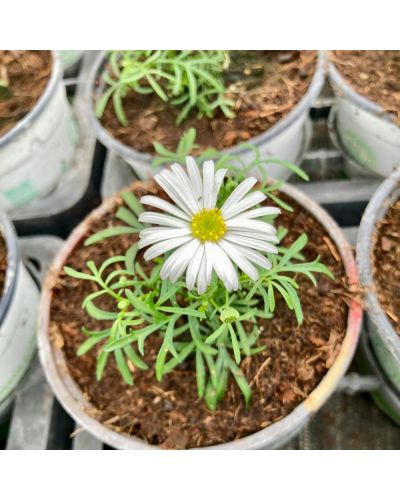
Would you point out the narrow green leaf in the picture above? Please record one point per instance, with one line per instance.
(123, 367)
(109, 233)
(132, 202)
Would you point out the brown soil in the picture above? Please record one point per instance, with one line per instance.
(374, 74)
(386, 264)
(26, 73)
(169, 413)
(3, 263)
(265, 86)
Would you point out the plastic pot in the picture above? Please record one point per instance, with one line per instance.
(384, 339)
(35, 153)
(274, 436)
(70, 60)
(285, 140)
(385, 396)
(367, 133)
(351, 168)
(18, 316)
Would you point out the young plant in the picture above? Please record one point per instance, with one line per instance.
(217, 233)
(190, 79)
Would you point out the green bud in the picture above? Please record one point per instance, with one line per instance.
(229, 315)
(123, 304)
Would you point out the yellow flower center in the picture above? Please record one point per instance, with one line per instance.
(208, 225)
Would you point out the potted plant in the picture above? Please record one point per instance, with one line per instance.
(366, 84)
(199, 324)
(377, 259)
(19, 299)
(229, 97)
(37, 130)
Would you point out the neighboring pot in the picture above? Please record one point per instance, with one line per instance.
(70, 60)
(351, 167)
(366, 131)
(35, 153)
(274, 436)
(18, 312)
(286, 140)
(385, 396)
(384, 339)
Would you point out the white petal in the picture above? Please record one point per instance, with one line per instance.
(239, 259)
(174, 192)
(193, 267)
(255, 257)
(224, 269)
(162, 219)
(194, 176)
(165, 246)
(202, 284)
(218, 179)
(183, 177)
(208, 183)
(251, 243)
(247, 202)
(256, 235)
(238, 193)
(260, 212)
(153, 201)
(175, 265)
(182, 191)
(155, 234)
(250, 225)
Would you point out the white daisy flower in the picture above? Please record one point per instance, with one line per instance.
(207, 238)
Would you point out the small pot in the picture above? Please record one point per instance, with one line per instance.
(351, 168)
(366, 131)
(385, 396)
(384, 339)
(286, 140)
(35, 153)
(274, 436)
(18, 312)
(70, 60)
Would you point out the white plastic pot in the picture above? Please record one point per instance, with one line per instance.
(367, 133)
(18, 315)
(70, 60)
(286, 140)
(36, 152)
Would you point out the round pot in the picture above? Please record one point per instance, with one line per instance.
(286, 140)
(274, 436)
(384, 339)
(385, 397)
(35, 153)
(70, 60)
(351, 168)
(18, 312)
(366, 131)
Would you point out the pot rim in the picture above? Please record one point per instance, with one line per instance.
(10, 237)
(71, 397)
(343, 88)
(25, 122)
(383, 198)
(127, 152)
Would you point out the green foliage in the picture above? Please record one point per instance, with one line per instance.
(190, 79)
(219, 329)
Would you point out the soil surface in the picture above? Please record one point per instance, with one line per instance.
(25, 73)
(3, 263)
(169, 413)
(386, 264)
(374, 74)
(265, 86)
